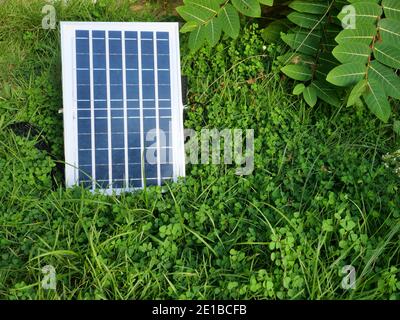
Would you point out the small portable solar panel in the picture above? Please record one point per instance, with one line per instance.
(123, 126)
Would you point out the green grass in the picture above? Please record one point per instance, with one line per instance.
(320, 197)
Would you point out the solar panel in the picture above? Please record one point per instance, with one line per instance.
(123, 126)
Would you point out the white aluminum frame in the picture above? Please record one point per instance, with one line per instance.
(69, 80)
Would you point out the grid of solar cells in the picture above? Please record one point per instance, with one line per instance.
(124, 108)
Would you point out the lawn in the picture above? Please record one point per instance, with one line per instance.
(320, 197)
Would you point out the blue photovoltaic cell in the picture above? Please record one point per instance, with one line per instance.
(117, 125)
(130, 35)
(99, 46)
(135, 171)
(148, 62)
(84, 110)
(164, 92)
(85, 157)
(114, 35)
(148, 77)
(85, 142)
(131, 47)
(164, 78)
(116, 104)
(83, 104)
(162, 47)
(149, 113)
(165, 112)
(82, 34)
(167, 170)
(82, 60)
(163, 62)
(100, 104)
(117, 113)
(115, 47)
(132, 92)
(99, 61)
(82, 46)
(83, 92)
(83, 77)
(133, 128)
(147, 47)
(101, 140)
(115, 77)
(84, 126)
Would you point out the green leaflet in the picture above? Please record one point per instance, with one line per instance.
(310, 95)
(387, 54)
(387, 77)
(363, 34)
(352, 52)
(197, 38)
(315, 7)
(389, 30)
(207, 5)
(303, 42)
(326, 92)
(249, 8)
(305, 20)
(267, 2)
(377, 101)
(391, 9)
(298, 72)
(326, 63)
(347, 74)
(299, 89)
(213, 31)
(192, 13)
(230, 21)
(355, 94)
(189, 26)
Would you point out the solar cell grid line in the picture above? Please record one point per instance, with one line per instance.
(92, 124)
(141, 108)
(126, 145)
(107, 51)
(157, 108)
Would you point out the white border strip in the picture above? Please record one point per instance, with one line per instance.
(157, 106)
(177, 105)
